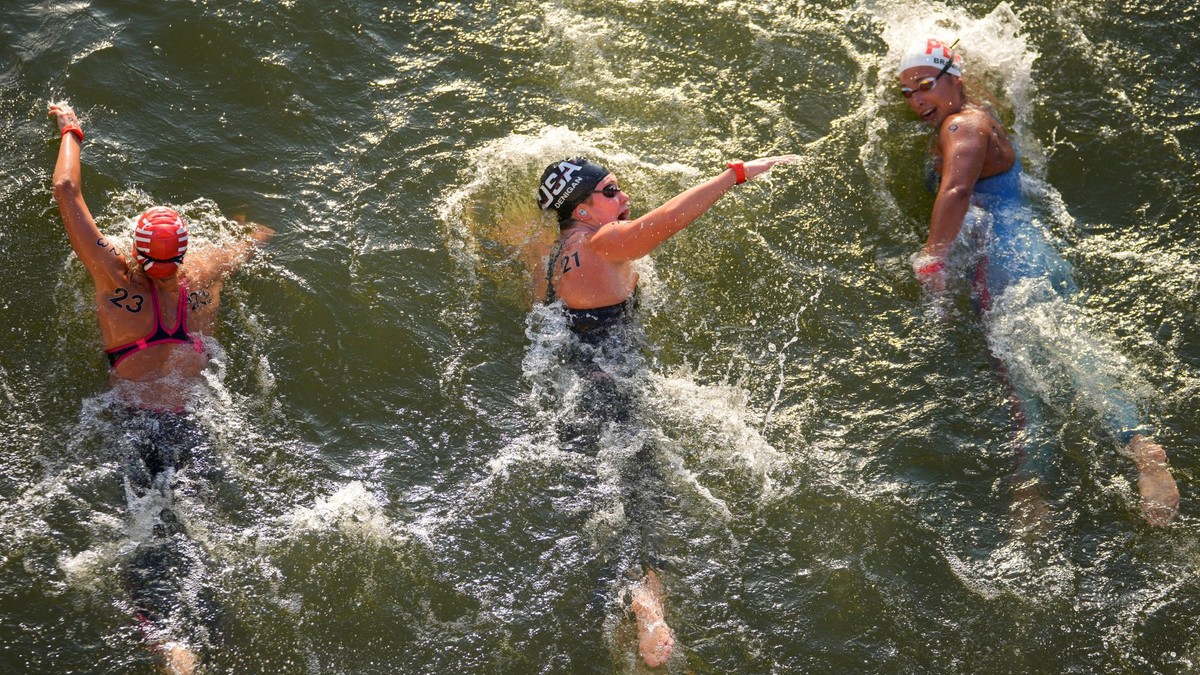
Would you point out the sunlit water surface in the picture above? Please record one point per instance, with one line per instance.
(831, 459)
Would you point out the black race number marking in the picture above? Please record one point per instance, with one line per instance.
(130, 303)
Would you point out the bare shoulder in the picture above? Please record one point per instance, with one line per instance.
(575, 243)
(966, 122)
(204, 265)
(967, 132)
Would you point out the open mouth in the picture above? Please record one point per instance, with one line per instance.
(928, 115)
(624, 215)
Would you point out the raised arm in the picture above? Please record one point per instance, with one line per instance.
(101, 258)
(627, 240)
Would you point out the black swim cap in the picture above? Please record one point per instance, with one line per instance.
(567, 183)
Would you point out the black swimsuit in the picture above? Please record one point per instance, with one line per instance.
(592, 322)
(605, 358)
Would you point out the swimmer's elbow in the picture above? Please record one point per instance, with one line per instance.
(65, 188)
(955, 191)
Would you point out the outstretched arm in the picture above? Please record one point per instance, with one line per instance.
(102, 259)
(241, 252)
(622, 241)
(217, 261)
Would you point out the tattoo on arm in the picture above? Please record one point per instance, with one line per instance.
(130, 303)
(953, 128)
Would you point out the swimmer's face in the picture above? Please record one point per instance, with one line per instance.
(932, 98)
(604, 208)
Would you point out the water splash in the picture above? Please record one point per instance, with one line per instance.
(352, 511)
(996, 50)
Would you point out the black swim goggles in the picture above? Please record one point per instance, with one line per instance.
(609, 190)
(178, 260)
(928, 83)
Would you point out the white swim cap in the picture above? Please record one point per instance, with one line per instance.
(930, 52)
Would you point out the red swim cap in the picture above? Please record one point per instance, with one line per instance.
(159, 241)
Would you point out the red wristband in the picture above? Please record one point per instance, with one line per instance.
(74, 129)
(739, 171)
(932, 268)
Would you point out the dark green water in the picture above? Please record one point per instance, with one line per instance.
(390, 492)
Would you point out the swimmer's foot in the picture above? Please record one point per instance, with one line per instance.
(1030, 509)
(1160, 495)
(178, 659)
(655, 638)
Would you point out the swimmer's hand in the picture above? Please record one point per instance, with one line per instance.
(1159, 493)
(757, 167)
(261, 235)
(64, 115)
(930, 270)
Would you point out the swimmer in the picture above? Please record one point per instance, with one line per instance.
(154, 309)
(591, 272)
(591, 269)
(977, 163)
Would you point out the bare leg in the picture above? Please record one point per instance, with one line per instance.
(178, 659)
(1160, 495)
(655, 638)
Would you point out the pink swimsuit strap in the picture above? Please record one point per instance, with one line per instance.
(160, 335)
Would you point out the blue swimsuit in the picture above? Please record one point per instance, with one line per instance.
(1013, 249)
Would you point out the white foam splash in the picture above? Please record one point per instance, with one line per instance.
(91, 569)
(351, 510)
(1049, 348)
(1035, 573)
(719, 420)
(994, 46)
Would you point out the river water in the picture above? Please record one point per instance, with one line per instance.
(387, 488)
